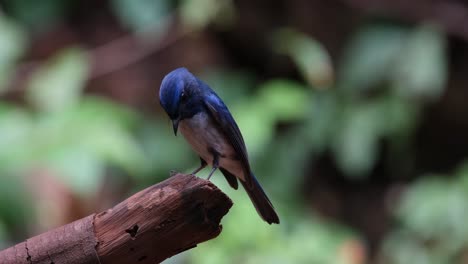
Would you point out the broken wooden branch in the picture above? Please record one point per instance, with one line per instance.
(150, 226)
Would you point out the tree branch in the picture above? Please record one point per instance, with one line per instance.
(150, 226)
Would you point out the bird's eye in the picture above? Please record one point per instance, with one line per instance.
(183, 95)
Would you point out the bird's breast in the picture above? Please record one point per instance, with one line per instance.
(205, 137)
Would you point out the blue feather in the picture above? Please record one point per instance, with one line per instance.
(209, 127)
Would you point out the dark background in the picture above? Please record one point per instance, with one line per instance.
(354, 114)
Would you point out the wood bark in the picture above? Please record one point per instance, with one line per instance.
(150, 226)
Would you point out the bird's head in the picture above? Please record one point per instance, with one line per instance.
(175, 90)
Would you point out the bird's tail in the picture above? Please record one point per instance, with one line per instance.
(261, 202)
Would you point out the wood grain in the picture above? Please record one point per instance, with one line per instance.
(150, 226)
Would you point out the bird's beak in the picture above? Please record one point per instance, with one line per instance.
(175, 125)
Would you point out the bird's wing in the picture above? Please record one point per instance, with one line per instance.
(227, 124)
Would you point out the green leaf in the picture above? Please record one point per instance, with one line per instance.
(107, 132)
(142, 15)
(401, 115)
(16, 127)
(232, 86)
(81, 141)
(356, 142)
(322, 122)
(277, 100)
(432, 214)
(434, 208)
(256, 124)
(370, 57)
(117, 147)
(285, 100)
(38, 15)
(422, 69)
(309, 55)
(82, 170)
(198, 14)
(15, 203)
(462, 174)
(3, 235)
(401, 247)
(12, 46)
(58, 84)
(163, 151)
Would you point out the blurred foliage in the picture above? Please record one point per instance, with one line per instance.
(142, 15)
(57, 85)
(311, 58)
(433, 229)
(12, 46)
(38, 16)
(296, 240)
(348, 119)
(220, 12)
(73, 135)
(374, 93)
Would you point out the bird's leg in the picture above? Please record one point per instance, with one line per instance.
(215, 165)
(202, 166)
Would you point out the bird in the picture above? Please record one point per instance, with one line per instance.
(200, 115)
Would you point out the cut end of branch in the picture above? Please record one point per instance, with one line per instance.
(161, 221)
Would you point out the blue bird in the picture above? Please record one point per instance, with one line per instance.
(208, 126)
